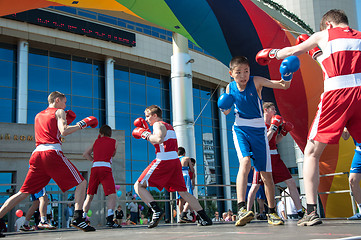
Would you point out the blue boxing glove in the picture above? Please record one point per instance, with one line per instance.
(288, 66)
(225, 101)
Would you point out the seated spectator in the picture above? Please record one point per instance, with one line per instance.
(216, 217)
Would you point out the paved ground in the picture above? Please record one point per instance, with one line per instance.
(330, 229)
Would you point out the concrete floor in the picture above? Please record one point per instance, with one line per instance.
(330, 229)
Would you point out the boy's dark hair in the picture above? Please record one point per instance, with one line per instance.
(334, 15)
(105, 130)
(154, 109)
(238, 60)
(267, 105)
(52, 96)
(193, 160)
(181, 151)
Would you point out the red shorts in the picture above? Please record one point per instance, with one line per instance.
(337, 109)
(164, 174)
(104, 176)
(280, 172)
(48, 164)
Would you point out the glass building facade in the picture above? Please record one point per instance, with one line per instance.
(82, 80)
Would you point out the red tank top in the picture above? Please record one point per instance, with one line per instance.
(272, 141)
(342, 56)
(170, 141)
(103, 149)
(46, 127)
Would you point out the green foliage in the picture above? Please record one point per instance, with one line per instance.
(288, 14)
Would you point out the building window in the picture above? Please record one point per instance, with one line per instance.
(81, 79)
(8, 86)
(136, 89)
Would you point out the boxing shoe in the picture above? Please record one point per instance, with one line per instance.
(82, 225)
(309, 220)
(156, 217)
(244, 217)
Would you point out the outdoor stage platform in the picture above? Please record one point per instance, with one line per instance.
(330, 229)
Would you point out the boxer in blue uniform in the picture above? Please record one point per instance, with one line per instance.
(355, 175)
(249, 130)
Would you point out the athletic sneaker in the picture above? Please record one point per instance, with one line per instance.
(301, 213)
(183, 218)
(46, 225)
(309, 220)
(357, 216)
(203, 219)
(261, 216)
(26, 228)
(113, 225)
(82, 225)
(274, 219)
(110, 223)
(244, 217)
(156, 217)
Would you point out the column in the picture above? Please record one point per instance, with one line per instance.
(224, 154)
(22, 82)
(109, 92)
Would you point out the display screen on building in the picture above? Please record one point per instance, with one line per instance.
(75, 25)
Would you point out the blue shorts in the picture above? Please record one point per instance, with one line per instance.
(260, 193)
(253, 141)
(187, 180)
(36, 196)
(356, 162)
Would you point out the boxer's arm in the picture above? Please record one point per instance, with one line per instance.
(314, 41)
(159, 132)
(229, 110)
(63, 127)
(264, 82)
(88, 152)
(191, 168)
(345, 134)
(279, 138)
(116, 145)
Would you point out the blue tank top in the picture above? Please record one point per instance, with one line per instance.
(248, 105)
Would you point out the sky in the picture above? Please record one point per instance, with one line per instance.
(358, 7)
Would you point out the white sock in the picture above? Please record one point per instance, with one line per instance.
(85, 214)
(110, 212)
(43, 219)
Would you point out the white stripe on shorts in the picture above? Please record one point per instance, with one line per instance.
(71, 167)
(150, 172)
(314, 128)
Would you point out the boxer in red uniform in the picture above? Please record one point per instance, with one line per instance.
(166, 170)
(48, 161)
(103, 149)
(340, 102)
(277, 128)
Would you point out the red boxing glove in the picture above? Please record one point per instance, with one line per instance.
(70, 116)
(88, 121)
(286, 127)
(315, 52)
(264, 56)
(276, 121)
(140, 122)
(139, 132)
